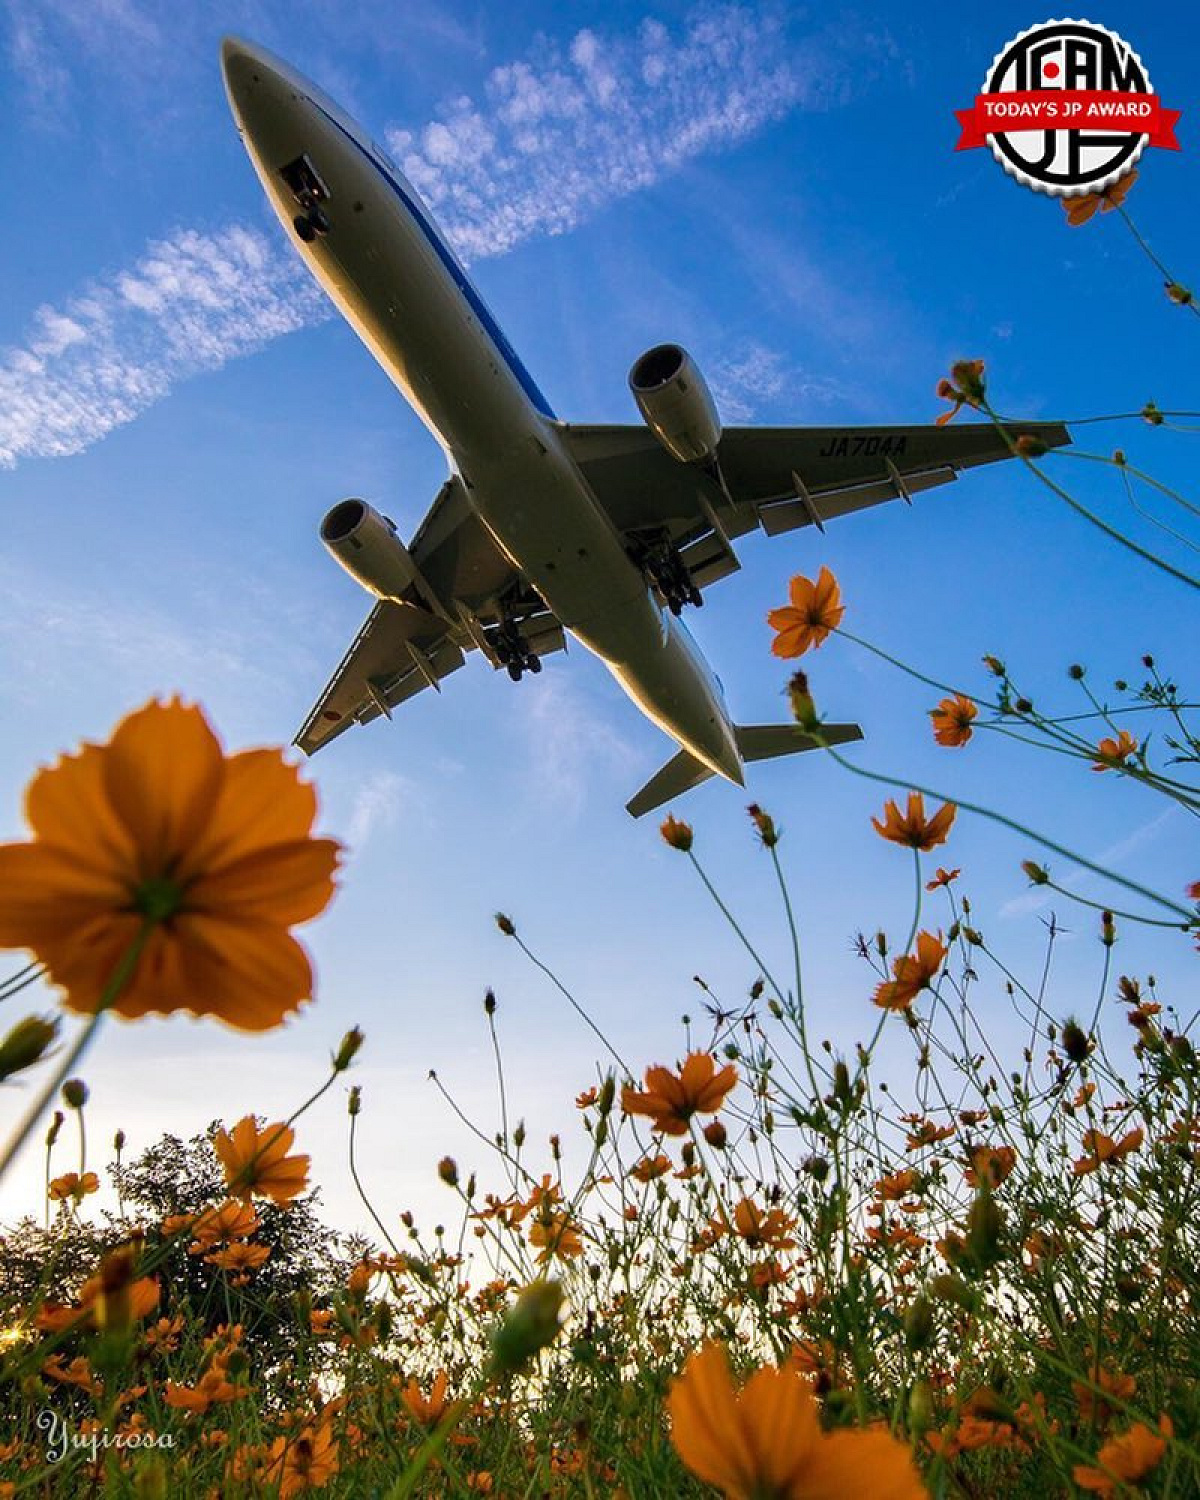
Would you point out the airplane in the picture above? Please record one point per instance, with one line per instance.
(546, 529)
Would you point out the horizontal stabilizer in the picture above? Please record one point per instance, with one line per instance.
(766, 741)
(754, 742)
(679, 775)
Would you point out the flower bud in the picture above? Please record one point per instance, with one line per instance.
(1075, 1042)
(765, 825)
(489, 1003)
(716, 1135)
(150, 1477)
(1036, 874)
(1179, 295)
(344, 1056)
(918, 1323)
(119, 1142)
(26, 1043)
(804, 710)
(354, 1104)
(676, 833)
(967, 375)
(531, 1324)
(1108, 929)
(448, 1171)
(920, 1407)
(1029, 446)
(75, 1093)
(1151, 414)
(55, 1127)
(608, 1090)
(505, 925)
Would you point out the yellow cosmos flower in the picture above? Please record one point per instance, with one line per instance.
(158, 832)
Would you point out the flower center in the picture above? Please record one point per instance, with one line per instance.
(158, 898)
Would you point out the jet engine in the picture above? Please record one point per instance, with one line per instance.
(676, 404)
(366, 545)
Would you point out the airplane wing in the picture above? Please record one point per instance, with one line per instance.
(776, 478)
(408, 645)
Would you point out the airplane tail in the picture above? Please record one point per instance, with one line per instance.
(755, 742)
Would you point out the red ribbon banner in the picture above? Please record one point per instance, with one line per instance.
(1067, 109)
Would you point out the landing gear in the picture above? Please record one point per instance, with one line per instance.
(513, 651)
(307, 188)
(309, 225)
(669, 574)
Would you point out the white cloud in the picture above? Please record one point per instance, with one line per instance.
(377, 804)
(1111, 858)
(569, 742)
(554, 139)
(755, 377)
(559, 137)
(192, 302)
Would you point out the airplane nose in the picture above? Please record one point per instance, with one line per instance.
(235, 58)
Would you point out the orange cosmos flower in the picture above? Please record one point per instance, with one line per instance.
(1114, 753)
(159, 829)
(259, 1163)
(72, 1185)
(671, 1100)
(993, 1163)
(1126, 1460)
(231, 1220)
(239, 1256)
(815, 610)
(952, 720)
(913, 972)
(305, 1462)
(427, 1410)
(914, 828)
(651, 1167)
(765, 1441)
(1101, 1148)
(968, 391)
(1080, 210)
(757, 1228)
(212, 1388)
(943, 877)
(898, 1185)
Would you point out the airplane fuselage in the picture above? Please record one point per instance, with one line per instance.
(385, 265)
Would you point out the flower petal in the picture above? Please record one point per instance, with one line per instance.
(163, 770)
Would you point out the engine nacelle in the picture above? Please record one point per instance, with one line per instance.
(676, 404)
(366, 545)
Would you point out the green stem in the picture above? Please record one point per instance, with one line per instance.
(121, 976)
(995, 817)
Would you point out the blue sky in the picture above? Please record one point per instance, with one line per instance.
(775, 188)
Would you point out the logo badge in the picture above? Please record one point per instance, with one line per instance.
(1067, 108)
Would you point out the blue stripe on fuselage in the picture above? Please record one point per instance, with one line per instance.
(460, 277)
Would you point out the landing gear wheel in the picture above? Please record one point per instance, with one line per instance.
(318, 221)
(515, 670)
(694, 596)
(304, 228)
(533, 664)
(675, 604)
